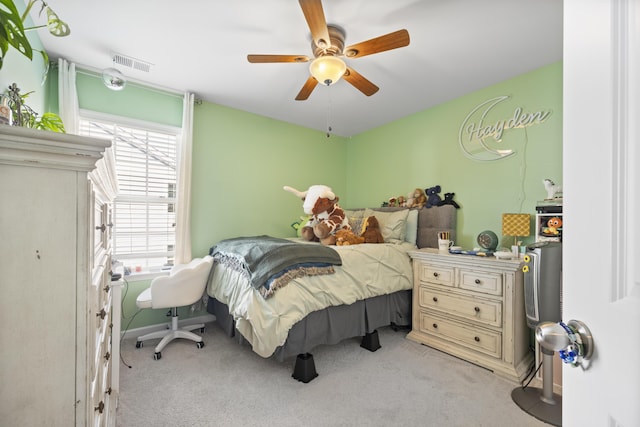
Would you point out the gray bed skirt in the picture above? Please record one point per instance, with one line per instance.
(331, 325)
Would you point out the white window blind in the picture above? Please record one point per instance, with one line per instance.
(144, 210)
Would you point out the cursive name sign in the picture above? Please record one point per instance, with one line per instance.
(478, 135)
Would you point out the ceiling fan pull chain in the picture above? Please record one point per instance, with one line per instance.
(329, 112)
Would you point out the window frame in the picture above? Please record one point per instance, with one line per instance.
(88, 115)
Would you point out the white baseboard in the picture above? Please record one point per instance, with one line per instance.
(136, 332)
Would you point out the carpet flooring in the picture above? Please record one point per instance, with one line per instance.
(226, 384)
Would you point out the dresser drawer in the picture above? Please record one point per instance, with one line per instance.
(436, 274)
(483, 282)
(478, 310)
(478, 339)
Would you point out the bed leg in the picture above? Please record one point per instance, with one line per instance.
(305, 368)
(371, 341)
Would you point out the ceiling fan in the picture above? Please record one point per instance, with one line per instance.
(328, 47)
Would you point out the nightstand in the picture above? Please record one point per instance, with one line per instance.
(472, 307)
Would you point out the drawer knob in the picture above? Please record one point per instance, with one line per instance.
(435, 299)
(101, 314)
(478, 281)
(476, 309)
(107, 356)
(101, 227)
(476, 339)
(435, 274)
(100, 407)
(435, 326)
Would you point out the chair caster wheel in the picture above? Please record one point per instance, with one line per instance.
(157, 356)
(138, 344)
(200, 344)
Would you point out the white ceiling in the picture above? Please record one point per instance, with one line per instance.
(457, 46)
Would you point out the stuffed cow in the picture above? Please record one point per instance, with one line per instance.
(327, 216)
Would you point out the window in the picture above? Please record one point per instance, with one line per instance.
(144, 210)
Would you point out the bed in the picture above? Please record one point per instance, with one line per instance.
(368, 288)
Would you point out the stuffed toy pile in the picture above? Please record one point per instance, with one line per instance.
(326, 216)
(370, 234)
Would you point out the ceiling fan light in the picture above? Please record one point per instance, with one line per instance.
(113, 79)
(327, 69)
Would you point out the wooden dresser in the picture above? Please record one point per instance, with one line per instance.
(472, 307)
(59, 309)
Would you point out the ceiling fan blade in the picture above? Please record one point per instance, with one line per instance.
(359, 82)
(389, 41)
(257, 59)
(314, 14)
(306, 90)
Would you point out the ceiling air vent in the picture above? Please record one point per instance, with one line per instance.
(128, 61)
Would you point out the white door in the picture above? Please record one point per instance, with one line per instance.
(601, 251)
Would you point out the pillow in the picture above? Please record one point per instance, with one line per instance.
(393, 225)
(355, 219)
(411, 234)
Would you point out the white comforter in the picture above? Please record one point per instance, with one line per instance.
(367, 270)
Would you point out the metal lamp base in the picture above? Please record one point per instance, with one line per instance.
(542, 403)
(531, 401)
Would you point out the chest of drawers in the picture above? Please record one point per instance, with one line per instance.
(473, 308)
(59, 309)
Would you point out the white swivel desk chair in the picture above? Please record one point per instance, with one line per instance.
(183, 286)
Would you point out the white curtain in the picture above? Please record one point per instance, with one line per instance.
(183, 208)
(68, 96)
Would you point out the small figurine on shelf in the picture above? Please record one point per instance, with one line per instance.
(554, 191)
(554, 227)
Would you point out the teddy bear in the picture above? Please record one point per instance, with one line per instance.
(418, 198)
(326, 216)
(371, 230)
(433, 198)
(346, 237)
(448, 200)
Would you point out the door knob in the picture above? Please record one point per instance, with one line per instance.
(573, 341)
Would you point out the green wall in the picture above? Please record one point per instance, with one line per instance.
(422, 151)
(241, 161)
(134, 101)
